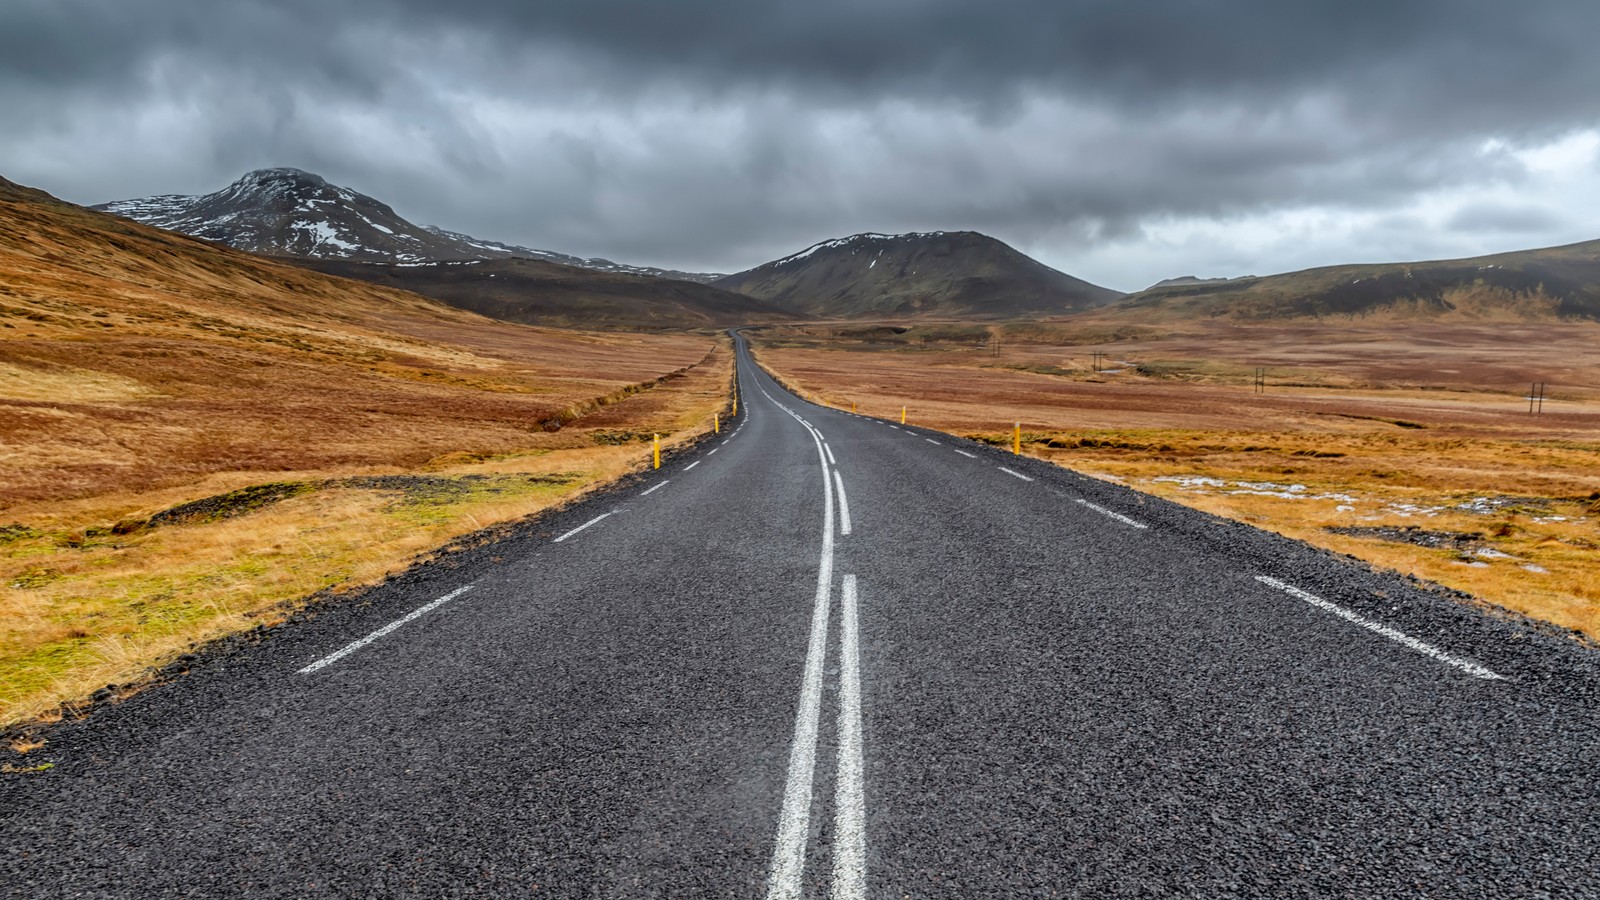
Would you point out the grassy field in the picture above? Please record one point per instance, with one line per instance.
(1407, 445)
(194, 440)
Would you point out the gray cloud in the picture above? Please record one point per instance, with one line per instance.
(1503, 218)
(716, 134)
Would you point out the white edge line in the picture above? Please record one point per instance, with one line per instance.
(966, 454)
(658, 487)
(1426, 649)
(1016, 474)
(1106, 512)
(353, 646)
(932, 441)
(830, 454)
(850, 816)
(844, 504)
(693, 464)
(714, 451)
(580, 528)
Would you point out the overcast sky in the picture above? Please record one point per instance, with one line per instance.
(1121, 142)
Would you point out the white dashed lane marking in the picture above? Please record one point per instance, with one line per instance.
(850, 806)
(844, 505)
(1426, 649)
(1106, 512)
(582, 527)
(353, 646)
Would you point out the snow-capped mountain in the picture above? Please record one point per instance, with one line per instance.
(936, 272)
(288, 212)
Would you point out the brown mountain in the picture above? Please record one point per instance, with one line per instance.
(1552, 283)
(941, 273)
(546, 293)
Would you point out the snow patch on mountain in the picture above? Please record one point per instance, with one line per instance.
(289, 212)
(856, 243)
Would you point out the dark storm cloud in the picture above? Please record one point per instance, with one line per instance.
(1444, 59)
(716, 133)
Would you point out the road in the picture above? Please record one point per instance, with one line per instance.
(829, 656)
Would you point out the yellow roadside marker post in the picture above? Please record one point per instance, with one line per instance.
(716, 423)
(657, 445)
(1016, 439)
(736, 403)
(852, 406)
(902, 415)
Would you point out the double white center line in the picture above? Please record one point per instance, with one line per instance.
(794, 818)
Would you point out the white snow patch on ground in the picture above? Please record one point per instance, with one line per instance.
(1202, 484)
(323, 235)
(1192, 481)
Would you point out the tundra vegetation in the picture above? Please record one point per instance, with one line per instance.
(1406, 442)
(193, 441)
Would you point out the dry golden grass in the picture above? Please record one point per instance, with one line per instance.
(141, 370)
(1421, 428)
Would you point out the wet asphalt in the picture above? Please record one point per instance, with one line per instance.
(1067, 688)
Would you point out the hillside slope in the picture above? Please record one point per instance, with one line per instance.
(546, 293)
(132, 357)
(195, 440)
(288, 212)
(1552, 283)
(957, 273)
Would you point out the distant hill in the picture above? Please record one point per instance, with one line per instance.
(546, 293)
(1190, 280)
(287, 212)
(1553, 283)
(954, 273)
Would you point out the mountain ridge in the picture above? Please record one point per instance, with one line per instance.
(1560, 282)
(290, 212)
(961, 273)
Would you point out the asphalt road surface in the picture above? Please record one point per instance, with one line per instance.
(830, 656)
